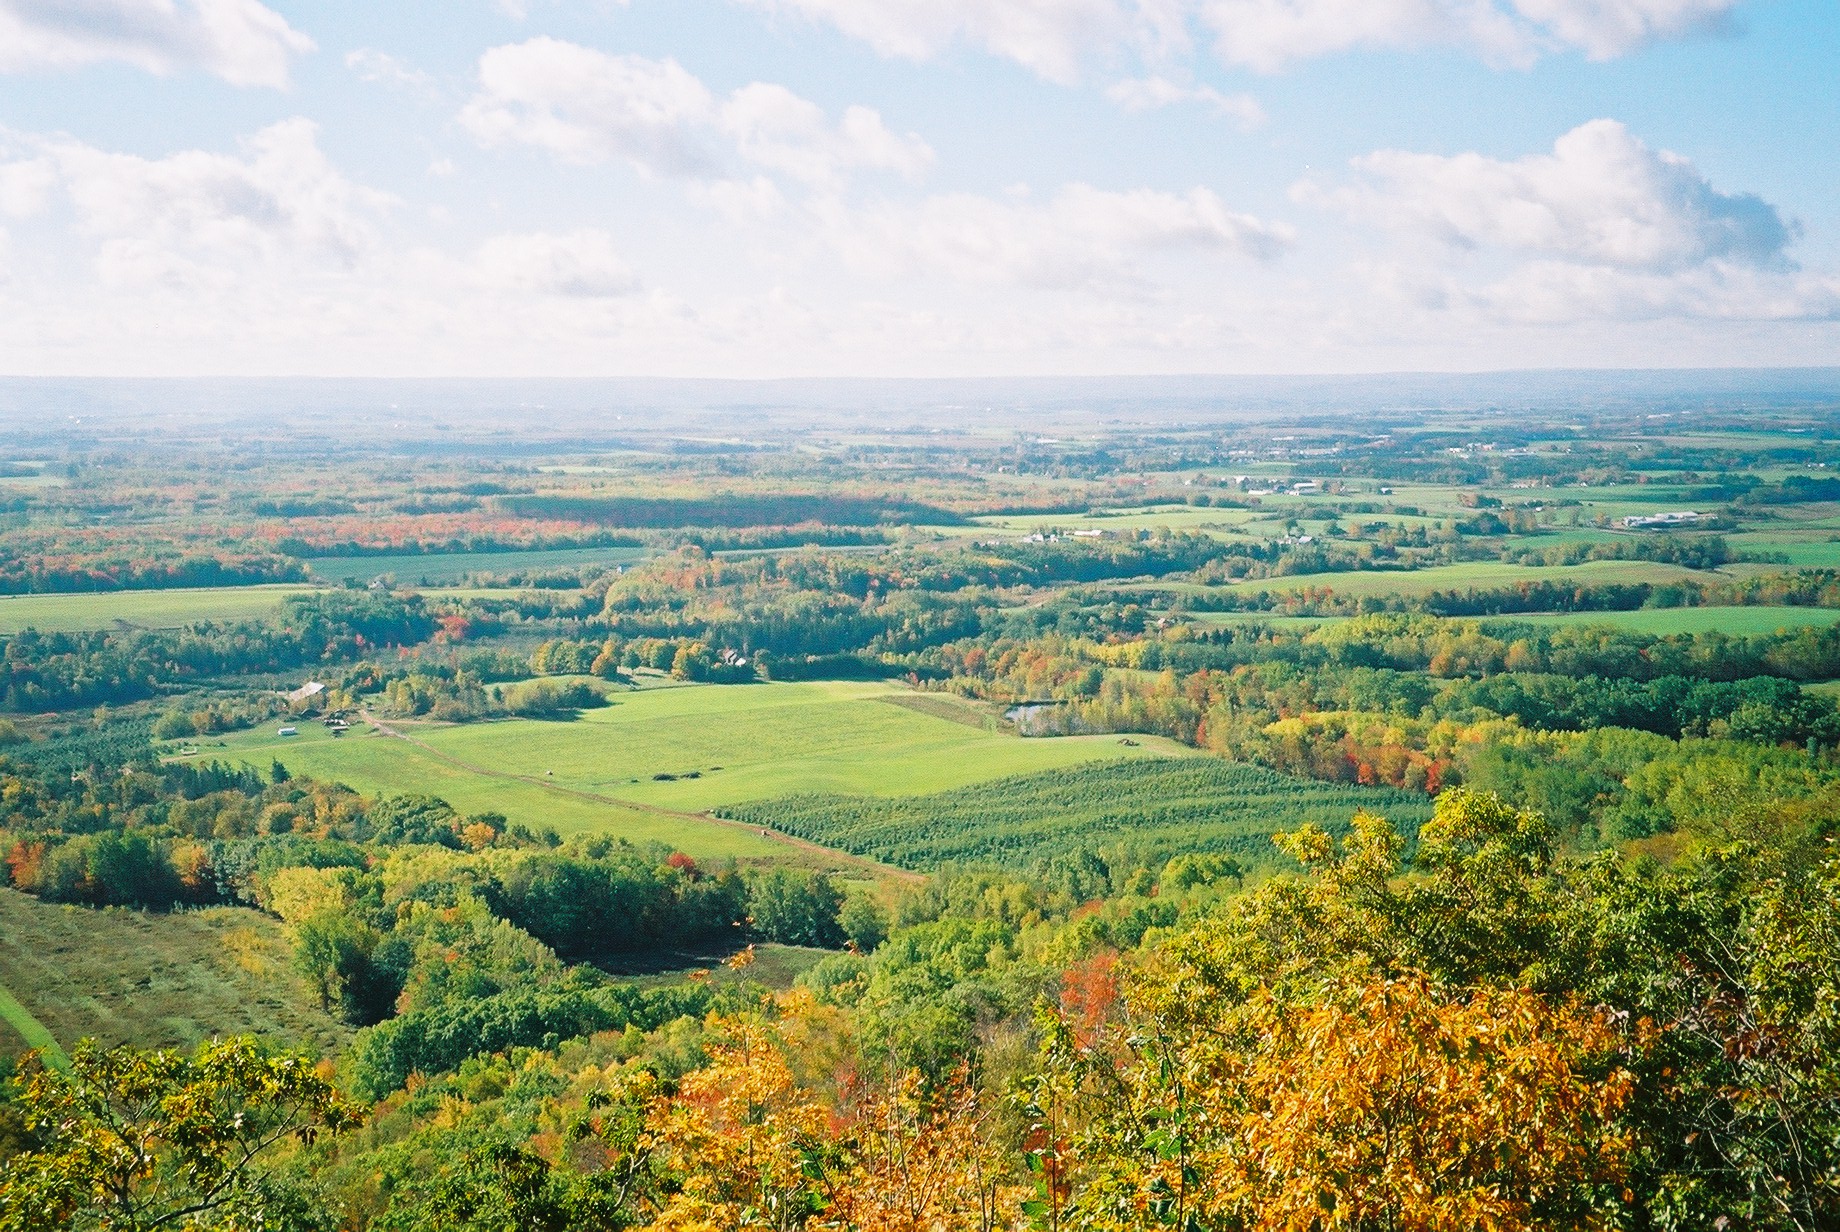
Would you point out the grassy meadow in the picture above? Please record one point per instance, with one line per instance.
(1737, 621)
(447, 568)
(1471, 575)
(152, 980)
(145, 609)
(645, 766)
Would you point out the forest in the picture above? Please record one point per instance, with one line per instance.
(1327, 824)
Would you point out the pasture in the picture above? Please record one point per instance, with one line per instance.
(377, 765)
(130, 977)
(644, 767)
(1737, 621)
(1219, 519)
(144, 609)
(1804, 550)
(1139, 810)
(26, 1031)
(450, 568)
(1476, 575)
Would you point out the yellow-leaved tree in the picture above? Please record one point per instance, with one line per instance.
(1359, 1049)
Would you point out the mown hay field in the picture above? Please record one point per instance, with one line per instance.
(1736, 621)
(645, 766)
(146, 609)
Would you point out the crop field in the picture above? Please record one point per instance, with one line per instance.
(147, 609)
(1157, 806)
(1738, 621)
(446, 568)
(1225, 519)
(154, 980)
(375, 764)
(645, 766)
(1808, 550)
(1481, 575)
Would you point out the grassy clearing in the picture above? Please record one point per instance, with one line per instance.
(1291, 624)
(30, 1032)
(1737, 621)
(445, 568)
(170, 981)
(376, 764)
(1806, 551)
(685, 750)
(1479, 575)
(149, 609)
(775, 966)
(1150, 809)
(726, 744)
(1225, 518)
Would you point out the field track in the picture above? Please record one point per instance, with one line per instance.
(30, 1029)
(872, 867)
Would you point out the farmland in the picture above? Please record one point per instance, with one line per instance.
(1479, 576)
(643, 767)
(1139, 811)
(143, 609)
(1735, 621)
(450, 568)
(553, 816)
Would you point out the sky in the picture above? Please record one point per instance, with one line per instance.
(770, 188)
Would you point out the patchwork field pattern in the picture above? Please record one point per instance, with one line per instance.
(648, 766)
(1146, 807)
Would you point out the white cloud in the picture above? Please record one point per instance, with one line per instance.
(26, 185)
(578, 263)
(1055, 38)
(1083, 237)
(776, 129)
(1564, 293)
(588, 106)
(241, 41)
(1604, 29)
(1152, 93)
(1601, 197)
(201, 216)
(382, 68)
(1268, 34)
(1049, 37)
(1603, 227)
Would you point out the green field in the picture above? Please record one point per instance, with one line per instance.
(1225, 518)
(27, 1031)
(645, 766)
(1149, 808)
(1481, 575)
(1738, 621)
(1809, 550)
(147, 609)
(446, 568)
(130, 977)
(1291, 624)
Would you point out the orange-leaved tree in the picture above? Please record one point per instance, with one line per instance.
(745, 1147)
